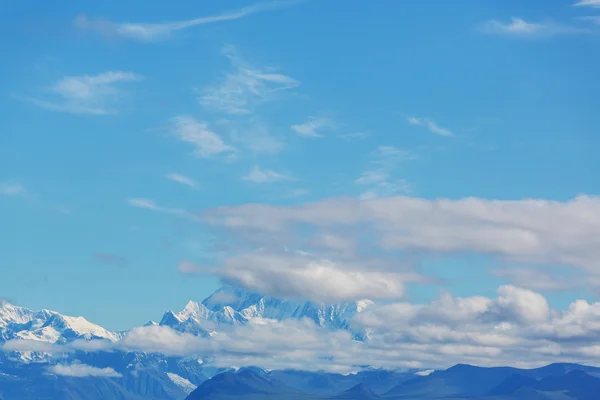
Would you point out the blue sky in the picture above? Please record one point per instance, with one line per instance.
(124, 124)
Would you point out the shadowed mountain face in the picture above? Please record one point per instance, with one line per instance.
(358, 392)
(458, 383)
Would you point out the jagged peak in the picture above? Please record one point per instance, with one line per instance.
(170, 318)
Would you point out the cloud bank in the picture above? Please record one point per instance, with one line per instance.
(515, 328)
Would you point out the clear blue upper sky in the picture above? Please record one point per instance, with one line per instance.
(106, 105)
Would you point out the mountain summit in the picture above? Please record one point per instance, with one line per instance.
(232, 306)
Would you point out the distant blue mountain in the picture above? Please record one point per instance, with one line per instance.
(461, 382)
(514, 383)
(358, 392)
(245, 384)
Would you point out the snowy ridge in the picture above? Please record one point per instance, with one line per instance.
(235, 307)
(227, 306)
(48, 326)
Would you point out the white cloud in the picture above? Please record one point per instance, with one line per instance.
(517, 327)
(87, 94)
(161, 339)
(206, 142)
(588, 3)
(430, 125)
(12, 189)
(245, 88)
(184, 180)
(153, 31)
(24, 345)
(528, 231)
(520, 28)
(83, 371)
(300, 276)
(313, 127)
(259, 175)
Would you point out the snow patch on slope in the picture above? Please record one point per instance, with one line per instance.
(187, 386)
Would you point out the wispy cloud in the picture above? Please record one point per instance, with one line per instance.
(536, 279)
(151, 205)
(87, 94)
(244, 88)
(12, 189)
(111, 259)
(206, 142)
(520, 28)
(188, 267)
(259, 175)
(385, 162)
(182, 179)
(430, 125)
(83, 371)
(357, 135)
(588, 3)
(252, 134)
(149, 32)
(593, 19)
(313, 127)
(383, 186)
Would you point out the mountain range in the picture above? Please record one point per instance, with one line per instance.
(129, 375)
(461, 382)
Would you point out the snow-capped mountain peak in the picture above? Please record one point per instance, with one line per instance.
(232, 306)
(47, 326)
(226, 306)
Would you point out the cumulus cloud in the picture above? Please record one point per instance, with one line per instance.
(148, 32)
(518, 27)
(83, 371)
(206, 143)
(301, 276)
(87, 94)
(529, 231)
(517, 327)
(245, 88)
